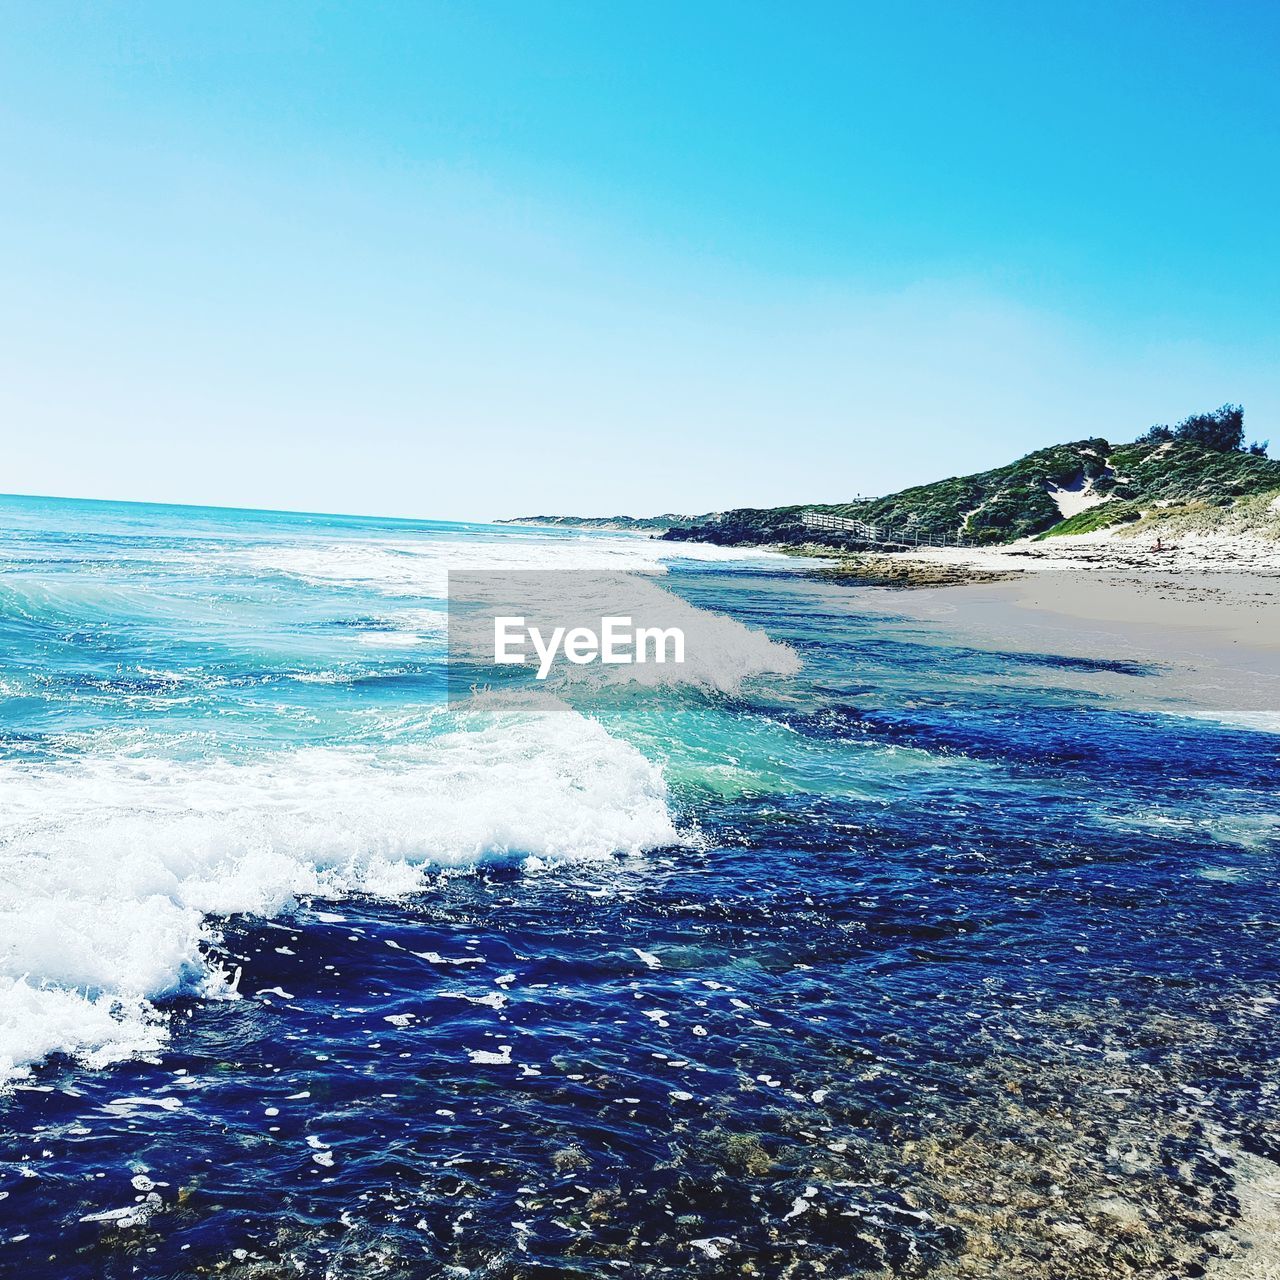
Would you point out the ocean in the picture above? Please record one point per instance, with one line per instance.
(882, 954)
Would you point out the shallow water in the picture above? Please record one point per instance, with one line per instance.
(921, 960)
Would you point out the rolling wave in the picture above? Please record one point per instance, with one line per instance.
(114, 869)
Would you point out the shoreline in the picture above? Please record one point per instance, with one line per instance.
(1103, 552)
(1198, 635)
(1203, 641)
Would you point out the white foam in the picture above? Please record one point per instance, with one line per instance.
(37, 1021)
(421, 566)
(112, 865)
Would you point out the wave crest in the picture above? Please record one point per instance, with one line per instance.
(111, 868)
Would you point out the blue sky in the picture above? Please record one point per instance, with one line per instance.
(469, 260)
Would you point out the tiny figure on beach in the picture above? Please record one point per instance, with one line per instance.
(1159, 545)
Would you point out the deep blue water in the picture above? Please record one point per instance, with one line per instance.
(921, 957)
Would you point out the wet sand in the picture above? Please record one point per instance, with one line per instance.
(1210, 640)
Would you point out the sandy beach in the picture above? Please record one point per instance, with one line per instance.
(1204, 615)
(1111, 551)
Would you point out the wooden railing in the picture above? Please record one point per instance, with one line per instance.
(879, 535)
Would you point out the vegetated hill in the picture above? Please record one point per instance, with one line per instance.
(639, 524)
(1067, 488)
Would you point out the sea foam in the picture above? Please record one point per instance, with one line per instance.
(421, 566)
(114, 868)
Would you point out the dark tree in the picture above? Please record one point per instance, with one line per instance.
(1259, 448)
(1223, 429)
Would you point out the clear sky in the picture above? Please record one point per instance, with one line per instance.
(480, 259)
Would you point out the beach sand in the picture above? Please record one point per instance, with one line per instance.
(1204, 616)
(1209, 640)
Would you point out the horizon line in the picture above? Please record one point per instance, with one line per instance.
(262, 511)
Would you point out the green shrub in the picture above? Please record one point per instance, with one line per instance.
(1103, 516)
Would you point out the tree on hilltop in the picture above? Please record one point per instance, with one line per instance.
(1223, 429)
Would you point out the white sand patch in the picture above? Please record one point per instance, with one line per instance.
(1073, 498)
(1119, 549)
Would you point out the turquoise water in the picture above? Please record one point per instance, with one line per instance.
(303, 967)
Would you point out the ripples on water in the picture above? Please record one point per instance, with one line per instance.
(955, 968)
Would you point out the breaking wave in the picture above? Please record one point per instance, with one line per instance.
(114, 869)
